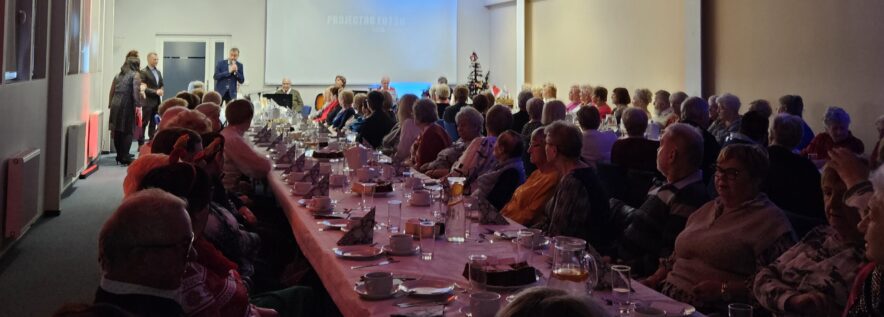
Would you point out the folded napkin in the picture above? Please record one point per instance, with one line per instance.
(298, 165)
(421, 311)
(289, 156)
(264, 135)
(318, 189)
(488, 215)
(276, 141)
(362, 232)
(313, 174)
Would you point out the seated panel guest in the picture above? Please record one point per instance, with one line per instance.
(792, 180)
(837, 135)
(600, 100)
(240, 159)
(377, 124)
(620, 99)
(287, 89)
(478, 158)
(498, 184)
(729, 114)
(579, 207)
(794, 105)
(469, 126)
(651, 228)
(596, 145)
(728, 239)
(432, 138)
(347, 111)
(814, 276)
(635, 151)
(527, 204)
(641, 100)
(143, 249)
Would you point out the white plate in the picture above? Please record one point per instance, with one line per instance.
(336, 223)
(360, 289)
(357, 252)
(427, 288)
(389, 250)
(302, 202)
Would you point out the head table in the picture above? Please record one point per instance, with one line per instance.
(447, 264)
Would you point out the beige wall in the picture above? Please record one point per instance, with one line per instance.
(502, 60)
(827, 51)
(628, 43)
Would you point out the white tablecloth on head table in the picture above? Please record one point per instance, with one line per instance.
(447, 264)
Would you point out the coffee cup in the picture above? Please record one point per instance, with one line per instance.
(337, 180)
(378, 283)
(365, 174)
(320, 203)
(484, 304)
(296, 177)
(420, 198)
(401, 243)
(413, 183)
(301, 188)
(647, 311)
(325, 168)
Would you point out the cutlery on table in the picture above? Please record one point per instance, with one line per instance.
(384, 262)
(444, 301)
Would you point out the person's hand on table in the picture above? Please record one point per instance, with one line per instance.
(808, 304)
(849, 166)
(707, 291)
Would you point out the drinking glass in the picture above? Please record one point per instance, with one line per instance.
(477, 263)
(368, 196)
(739, 310)
(620, 283)
(524, 246)
(394, 216)
(427, 239)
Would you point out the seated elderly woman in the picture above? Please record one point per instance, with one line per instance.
(169, 103)
(728, 239)
(432, 138)
(527, 203)
(360, 104)
(469, 127)
(521, 117)
(553, 111)
(596, 145)
(651, 228)
(635, 151)
(579, 207)
(478, 158)
(814, 276)
(544, 301)
(729, 117)
(837, 135)
(508, 173)
(641, 100)
(397, 143)
(535, 113)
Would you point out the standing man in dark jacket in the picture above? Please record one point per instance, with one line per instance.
(153, 77)
(228, 74)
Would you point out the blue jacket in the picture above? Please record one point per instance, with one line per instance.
(225, 81)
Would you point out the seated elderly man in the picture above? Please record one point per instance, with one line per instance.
(794, 105)
(469, 126)
(528, 201)
(837, 135)
(143, 250)
(814, 276)
(596, 145)
(521, 117)
(695, 111)
(635, 151)
(498, 184)
(478, 158)
(651, 229)
(663, 112)
(729, 114)
(792, 180)
(241, 161)
(287, 89)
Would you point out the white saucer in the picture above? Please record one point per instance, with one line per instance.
(414, 250)
(360, 289)
(427, 288)
(335, 223)
(357, 252)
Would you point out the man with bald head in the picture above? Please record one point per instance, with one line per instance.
(287, 89)
(695, 112)
(143, 250)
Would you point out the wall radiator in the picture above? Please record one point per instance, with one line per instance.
(94, 127)
(75, 154)
(22, 193)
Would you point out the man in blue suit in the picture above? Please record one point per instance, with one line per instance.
(228, 73)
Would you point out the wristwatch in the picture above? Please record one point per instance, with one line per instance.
(725, 295)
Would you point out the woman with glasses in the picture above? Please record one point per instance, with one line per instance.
(526, 205)
(728, 239)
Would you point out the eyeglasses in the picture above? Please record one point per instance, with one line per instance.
(728, 173)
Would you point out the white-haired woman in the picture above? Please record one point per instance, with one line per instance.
(837, 135)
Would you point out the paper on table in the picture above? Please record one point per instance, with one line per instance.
(362, 232)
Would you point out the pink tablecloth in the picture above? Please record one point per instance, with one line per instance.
(447, 264)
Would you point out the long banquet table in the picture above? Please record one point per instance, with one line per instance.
(447, 263)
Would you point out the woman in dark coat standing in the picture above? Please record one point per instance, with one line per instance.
(126, 96)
